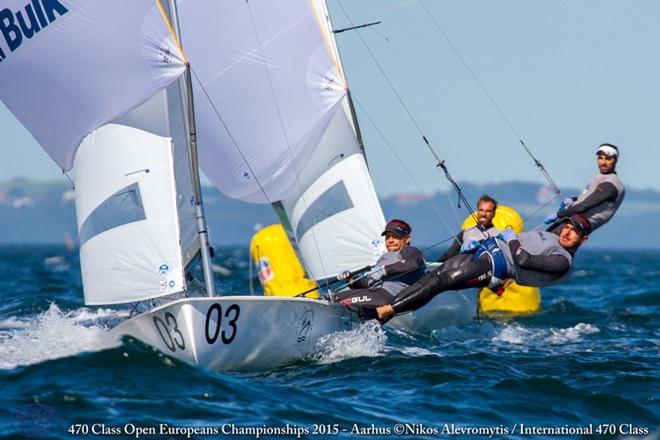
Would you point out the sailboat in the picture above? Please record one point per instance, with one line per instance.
(130, 137)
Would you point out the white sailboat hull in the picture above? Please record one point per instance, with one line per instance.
(239, 333)
(445, 310)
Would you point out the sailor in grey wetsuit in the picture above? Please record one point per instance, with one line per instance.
(401, 266)
(536, 258)
(486, 207)
(600, 199)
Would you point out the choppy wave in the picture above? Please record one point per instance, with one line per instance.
(52, 334)
(367, 340)
(517, 334)
(590, 356)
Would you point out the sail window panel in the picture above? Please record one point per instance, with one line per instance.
(123, 207)
(333, 201)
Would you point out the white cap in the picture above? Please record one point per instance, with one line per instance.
(609, 150)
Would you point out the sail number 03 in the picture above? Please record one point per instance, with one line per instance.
(168, 328)
(228, 332)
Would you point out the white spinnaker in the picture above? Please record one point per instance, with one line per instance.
(126, 212)
(266, 88)
(90, 61)
(274, 124)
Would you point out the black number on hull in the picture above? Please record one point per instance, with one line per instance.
(211, 339)
(161, 326)
(217, 330)
(164, 327)
(181, 343)
(232, 323)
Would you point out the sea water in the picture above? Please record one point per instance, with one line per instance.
(586, 365)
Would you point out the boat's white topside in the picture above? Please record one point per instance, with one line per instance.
(239, 333)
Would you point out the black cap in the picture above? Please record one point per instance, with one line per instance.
(581, 224)
(397, 227)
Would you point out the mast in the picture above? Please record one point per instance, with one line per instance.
(194, 164)
(335, 47)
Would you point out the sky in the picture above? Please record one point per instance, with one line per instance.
(565, 75)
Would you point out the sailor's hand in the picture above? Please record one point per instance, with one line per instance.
(384, 313)
(345, 275)
(376, 273)
(550, 218)
(507, 282)
(568, 201)
(469, 246)
(507, 235)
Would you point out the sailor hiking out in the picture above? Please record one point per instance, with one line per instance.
(600, 199)
(536, 258)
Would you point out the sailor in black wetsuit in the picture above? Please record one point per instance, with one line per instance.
(486, 207)
(536, 258)
(395, 270)
(600, 199)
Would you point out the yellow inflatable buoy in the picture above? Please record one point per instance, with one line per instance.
(280, 272)
(505, 216)
(515, 299)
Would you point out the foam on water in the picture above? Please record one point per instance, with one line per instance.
(571, 334)
(12, 323)
(518, 335)
(367, 340)
(513, 334)
(417, 352)
(50, 335)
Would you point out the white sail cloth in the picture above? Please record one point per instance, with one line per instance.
(134, 197)
(266, 87)
(69, 66)
(275, 125)
(163, 115)
(126, 206)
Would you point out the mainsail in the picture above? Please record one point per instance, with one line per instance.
(135, 212)
(275, 124)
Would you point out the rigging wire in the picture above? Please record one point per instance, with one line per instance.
(537, 162)
(440, 163)
(382, 71)
(66, 173)
(284, 131)
(229, 133)
(401, 162)
(461, 197)
(539, 210)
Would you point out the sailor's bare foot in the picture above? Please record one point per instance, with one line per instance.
(385, 313)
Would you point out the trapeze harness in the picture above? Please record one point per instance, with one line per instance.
(498, 263)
